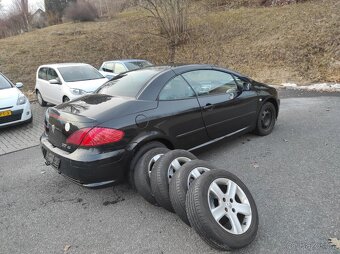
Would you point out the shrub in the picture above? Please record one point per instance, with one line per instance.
(81, 11)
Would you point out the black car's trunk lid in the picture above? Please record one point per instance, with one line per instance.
(88, 112)
(61, 125)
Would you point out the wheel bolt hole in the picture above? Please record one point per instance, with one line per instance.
(223, 199)
(226, 209)
(233, 210)
(231, 200)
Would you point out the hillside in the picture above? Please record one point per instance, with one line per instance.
(295, 43)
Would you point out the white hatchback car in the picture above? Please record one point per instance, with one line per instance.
(110, 69)
(15, 108)
(58, 83)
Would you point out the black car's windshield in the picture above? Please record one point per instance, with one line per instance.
(137, 65)
(79, 73)
(4, 83)
(127, 84)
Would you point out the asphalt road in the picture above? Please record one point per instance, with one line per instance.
(293, 174)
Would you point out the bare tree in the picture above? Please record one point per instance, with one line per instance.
(172, 17)
(20, 8)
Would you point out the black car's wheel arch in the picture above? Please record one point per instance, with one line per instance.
(136, 145)
(145, 138)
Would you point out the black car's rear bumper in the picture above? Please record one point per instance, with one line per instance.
(87, 167)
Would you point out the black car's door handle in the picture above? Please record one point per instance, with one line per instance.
(208, 106)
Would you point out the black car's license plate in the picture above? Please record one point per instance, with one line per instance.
(52, 160)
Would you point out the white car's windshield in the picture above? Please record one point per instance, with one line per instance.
(4, 83)
(79, 73)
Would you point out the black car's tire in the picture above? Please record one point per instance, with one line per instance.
(40, 99)
(222, 233)
(266, 119)
(163, 171)
(180, 183)
(140, 152)
(143, 170)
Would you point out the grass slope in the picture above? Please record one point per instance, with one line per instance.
(295, 43)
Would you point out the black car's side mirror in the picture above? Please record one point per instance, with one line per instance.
(246, 86)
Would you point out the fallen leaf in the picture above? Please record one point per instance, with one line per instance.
(255, 165)
(66, 248)
(285, 140)
(43, 172)
(334, 242)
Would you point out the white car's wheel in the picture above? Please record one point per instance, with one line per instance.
(40, 99)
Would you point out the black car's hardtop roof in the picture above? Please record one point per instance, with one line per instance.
(181, 68)
(163, 73)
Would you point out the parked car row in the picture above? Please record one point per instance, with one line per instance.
(58, 83)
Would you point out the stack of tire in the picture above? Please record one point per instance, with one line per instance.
(214, 202)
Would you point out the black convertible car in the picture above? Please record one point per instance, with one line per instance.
(95, 140)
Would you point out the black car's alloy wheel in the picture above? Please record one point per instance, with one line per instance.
(222, 211)
(162, 173)
(180, 183)
(143, 170)
(266, 119)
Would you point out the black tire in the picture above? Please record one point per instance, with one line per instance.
(66, 99)
(40, 99)
(142, 172)
(162, 173)
(140, 152)
(266, 119)
(178, 187)
(202, 220)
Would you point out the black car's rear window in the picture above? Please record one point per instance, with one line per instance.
(128, 84)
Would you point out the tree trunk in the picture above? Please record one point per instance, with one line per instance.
(172, 53)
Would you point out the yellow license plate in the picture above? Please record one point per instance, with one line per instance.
(5, 113)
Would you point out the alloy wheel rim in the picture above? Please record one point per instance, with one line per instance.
(175, 165)
(266, 118)
(229, 206)
(152, 162)
(196, 173)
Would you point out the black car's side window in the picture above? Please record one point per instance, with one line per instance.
(211, 82)
(176, 89)
(42, 73)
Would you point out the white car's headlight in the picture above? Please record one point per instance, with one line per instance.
(21, 99)
(77, 91)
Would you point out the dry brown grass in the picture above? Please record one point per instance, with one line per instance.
(296, 43)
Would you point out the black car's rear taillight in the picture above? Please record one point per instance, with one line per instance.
(96, 136)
